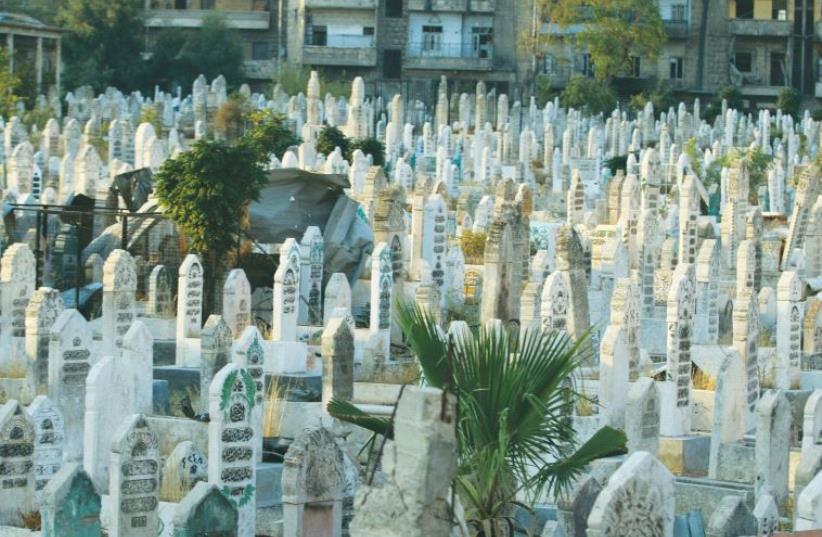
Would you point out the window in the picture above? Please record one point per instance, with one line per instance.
(431, 38)
(776, 7)
(181, 4)
(587, 65)
(743, 61)
(318, 36)
(261, 50)
(207, 4)
(367, 30)
(678, 12)
(777, 69)
(482, 41)
(393, 9)
(548, 64)
(634, 69)
(392, 64)
(744, 9)
(675, 65)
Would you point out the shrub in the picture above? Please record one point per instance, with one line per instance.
(331, 137)
(588, 94)
(730, 94)
(229, 121)
(789, 101)
(267, 133)
(369, 146)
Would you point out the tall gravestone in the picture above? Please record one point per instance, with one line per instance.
(119, 290)
(69, 365)
(237, 301)
(215, 352)
(231, 442)
(135, 479)
(49, 436)
(17, 277)
(189, 309)
(138, 351)
(312, 253)
(286, 293)
(248, 354)
(45, 306)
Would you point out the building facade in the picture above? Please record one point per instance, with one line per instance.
(408, 45)
(759, 46)
(257, 21)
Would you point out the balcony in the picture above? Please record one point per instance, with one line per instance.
(676, 29)
(760, 27)
(341, 50)
(193, 18)
(341, 4)
(456, 57)
(438, 5)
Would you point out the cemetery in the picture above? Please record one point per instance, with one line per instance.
(627, 308)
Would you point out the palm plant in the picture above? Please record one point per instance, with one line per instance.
(515, 394)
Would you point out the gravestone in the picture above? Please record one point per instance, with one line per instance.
(189, 309)
(731, 518)
(183, 469)
(248, 354)
(69, 365)
(286, 293)
(337, 295)
(231, 442)
(215, 352)
(638, 500)
(338, 361)
(642, 417)
(17, 479)
(135, 479)
(205, 512)
(313, 484)
(110, 400)
(49, 436)
(138, 351)
(71, 505)
(312, 252)
(159, 301)
(45, 306)
(237, 302)
(119, 290)
(773, 427)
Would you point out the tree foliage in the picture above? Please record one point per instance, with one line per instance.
(613, 31)
(588, 94)
(789, 101)
(103, 43)
(9, 85)
(267, 133)
(205, 190)
(331, 137)
(369, 146)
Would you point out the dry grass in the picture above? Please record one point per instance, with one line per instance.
(585, 407)
(31, 520)
(703, 381)
(274, 407)
(173, 490)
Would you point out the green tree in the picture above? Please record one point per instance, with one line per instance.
(267, 133)
(206, 191)
(331, 137)
(514, 392)
(613, 31)
(9, 86)
(163, 68)
(588, 94)
(789, 101)
(369, 146)
(103, 43)
(214, 49)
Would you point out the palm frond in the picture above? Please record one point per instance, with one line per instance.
(426, 340)
(606, 442)
(348, 412)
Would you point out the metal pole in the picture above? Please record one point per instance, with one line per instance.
(124, 237)
(78, 268)
(37, 253)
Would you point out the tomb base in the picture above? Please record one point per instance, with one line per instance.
(685, 455)
(269, 484)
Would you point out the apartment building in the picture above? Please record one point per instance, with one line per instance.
(257, 22)
(759, 46)
(407, 45)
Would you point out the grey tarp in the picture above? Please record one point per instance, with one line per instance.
(295, 199)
